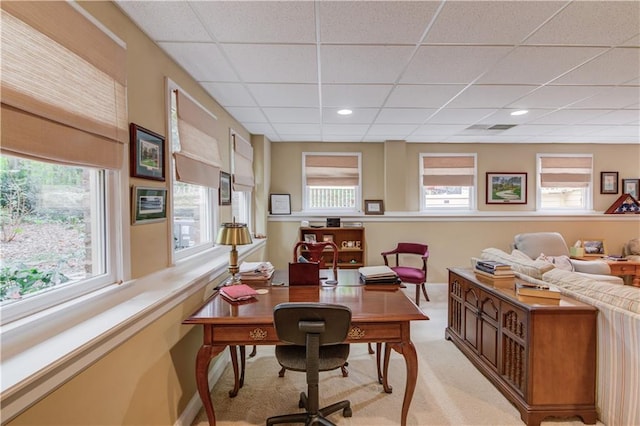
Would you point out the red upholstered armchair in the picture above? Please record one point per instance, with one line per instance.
(410, 274)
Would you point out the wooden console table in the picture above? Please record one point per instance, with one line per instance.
(541, 356)
(626, 268)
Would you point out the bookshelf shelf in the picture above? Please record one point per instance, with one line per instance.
(350, 256)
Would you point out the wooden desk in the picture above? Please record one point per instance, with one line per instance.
(377, 316)
(624, 268)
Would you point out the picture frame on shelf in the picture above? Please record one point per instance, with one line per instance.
(148, 205)
(327, 238)
(608, 182)
(631, 187)
(373, 207)
(146, 153)
(309, 238)
(280, 204)
(594, 247)
(224, 191)
(506, 188)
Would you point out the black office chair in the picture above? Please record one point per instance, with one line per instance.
(313, 333)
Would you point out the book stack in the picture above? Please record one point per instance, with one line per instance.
(495, 273)
(256, 272)
(237, 293)
(537, 293)
(378, 275)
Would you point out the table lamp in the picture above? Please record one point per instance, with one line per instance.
(233, 234)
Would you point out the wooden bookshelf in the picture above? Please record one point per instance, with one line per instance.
(350, 256)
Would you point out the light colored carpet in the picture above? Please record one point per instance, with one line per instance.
(450, 390)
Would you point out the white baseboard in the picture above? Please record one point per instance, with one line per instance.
(195, 403)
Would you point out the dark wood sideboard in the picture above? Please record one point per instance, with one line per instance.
(541, 356)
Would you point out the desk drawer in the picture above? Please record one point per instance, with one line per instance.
(622, 269)
(375, 333)
(244, 334)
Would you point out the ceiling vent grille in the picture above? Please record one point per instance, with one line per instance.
(502, 126)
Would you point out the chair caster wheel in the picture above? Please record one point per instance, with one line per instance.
(347, 412)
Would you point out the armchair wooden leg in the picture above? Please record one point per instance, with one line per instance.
(424, 291)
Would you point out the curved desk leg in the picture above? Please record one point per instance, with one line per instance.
(205, 354)
(408, 351)
(385, 371)
(378, 361)
(233, 352)
(243, 352)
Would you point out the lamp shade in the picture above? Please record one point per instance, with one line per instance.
(233, 234)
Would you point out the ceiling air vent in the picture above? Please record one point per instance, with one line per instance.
(502, 126)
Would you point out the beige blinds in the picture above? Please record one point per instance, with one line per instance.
(453, 170)
(565, 172)
(243, 179)
(198, 159)
(63, 96)
(331, 170)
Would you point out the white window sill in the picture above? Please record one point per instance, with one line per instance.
(44, 350)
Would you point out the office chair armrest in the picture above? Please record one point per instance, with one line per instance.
(386, 253)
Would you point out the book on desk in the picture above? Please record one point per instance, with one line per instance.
(378, 275)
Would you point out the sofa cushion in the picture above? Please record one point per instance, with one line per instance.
(561, 262)
(534, 243)
(528, 266)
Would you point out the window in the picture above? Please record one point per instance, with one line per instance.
(448, 181)
(564, 181)
(196, 174)
(243, 178)
(331, 181)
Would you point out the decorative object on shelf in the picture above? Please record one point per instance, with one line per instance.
(594, 247)
(333, 222)
(506, 188)
(233, 234)
(327, 237)
(373, 207)
(608, 182)
(631, 187)
(224, 191)
(146, 153)
(280, 203)
(625, 204)
(148, 205)
(309, 238)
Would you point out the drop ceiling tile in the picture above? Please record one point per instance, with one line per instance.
(599, 23)
(529, 130)
(363, 64)
(537, 64)
(451, 64)
(489, 22)
(262, 63)
(577, 130)
(422, 96)
(374, 21)
(556, 96)
(504, 116)
(359, 116)
(620, 117)
(393, 131)
(164, 21)
(334, 138)
(203, 61)
(344, 129)
(438, 130)
(424, 139)
(490, 96)
(229, 94)
(297, 129)
(285, 95)
(569, 116)
(466, 116)
(258, 22)
(292, 115)
(613, 67)
(259, 128)
(633, 41)
(302, 138)
(404, 115)
(619, 131)
(248, 114)
(360, 95)
(617, 97)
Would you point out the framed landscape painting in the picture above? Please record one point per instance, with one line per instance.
(506, 188)
(146, 153)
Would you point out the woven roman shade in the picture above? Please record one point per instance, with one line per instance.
(448, 170)
(243, 179)
(63, 96)
(331, 170)
(565, 172)
(198, 159)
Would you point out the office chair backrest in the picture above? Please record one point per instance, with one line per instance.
(294, 320)
(412, 248)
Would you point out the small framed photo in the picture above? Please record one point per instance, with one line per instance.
(631, 187)
(224, 192)
(506, 188)
(608, 182)
(280, 204)
(594, 247)
(149, 205)
(309, 238)
(146, 152)
(327, 238)
(373, 207)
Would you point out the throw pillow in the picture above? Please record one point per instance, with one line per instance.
(561, 262)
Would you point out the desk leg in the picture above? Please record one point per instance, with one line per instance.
(204, 357)
(408, 351)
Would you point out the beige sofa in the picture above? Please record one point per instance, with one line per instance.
(618, 375)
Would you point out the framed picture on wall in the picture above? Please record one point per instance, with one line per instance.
(146, 152)
(506, 188)
(373, 207)
(148, 205)
(225, 189)
(280, 204)
(631, 187)
(608, 182)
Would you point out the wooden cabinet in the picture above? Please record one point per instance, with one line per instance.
(542, 357)
(350, 242)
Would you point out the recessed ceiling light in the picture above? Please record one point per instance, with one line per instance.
(520, 112)
(345, 112)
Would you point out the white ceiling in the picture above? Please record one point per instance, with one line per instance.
(420, 71)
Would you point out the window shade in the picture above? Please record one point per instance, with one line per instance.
(452, 170)
(563, 172)
(198, 159)
(63, 96)
(331, 170)
(243, 179)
